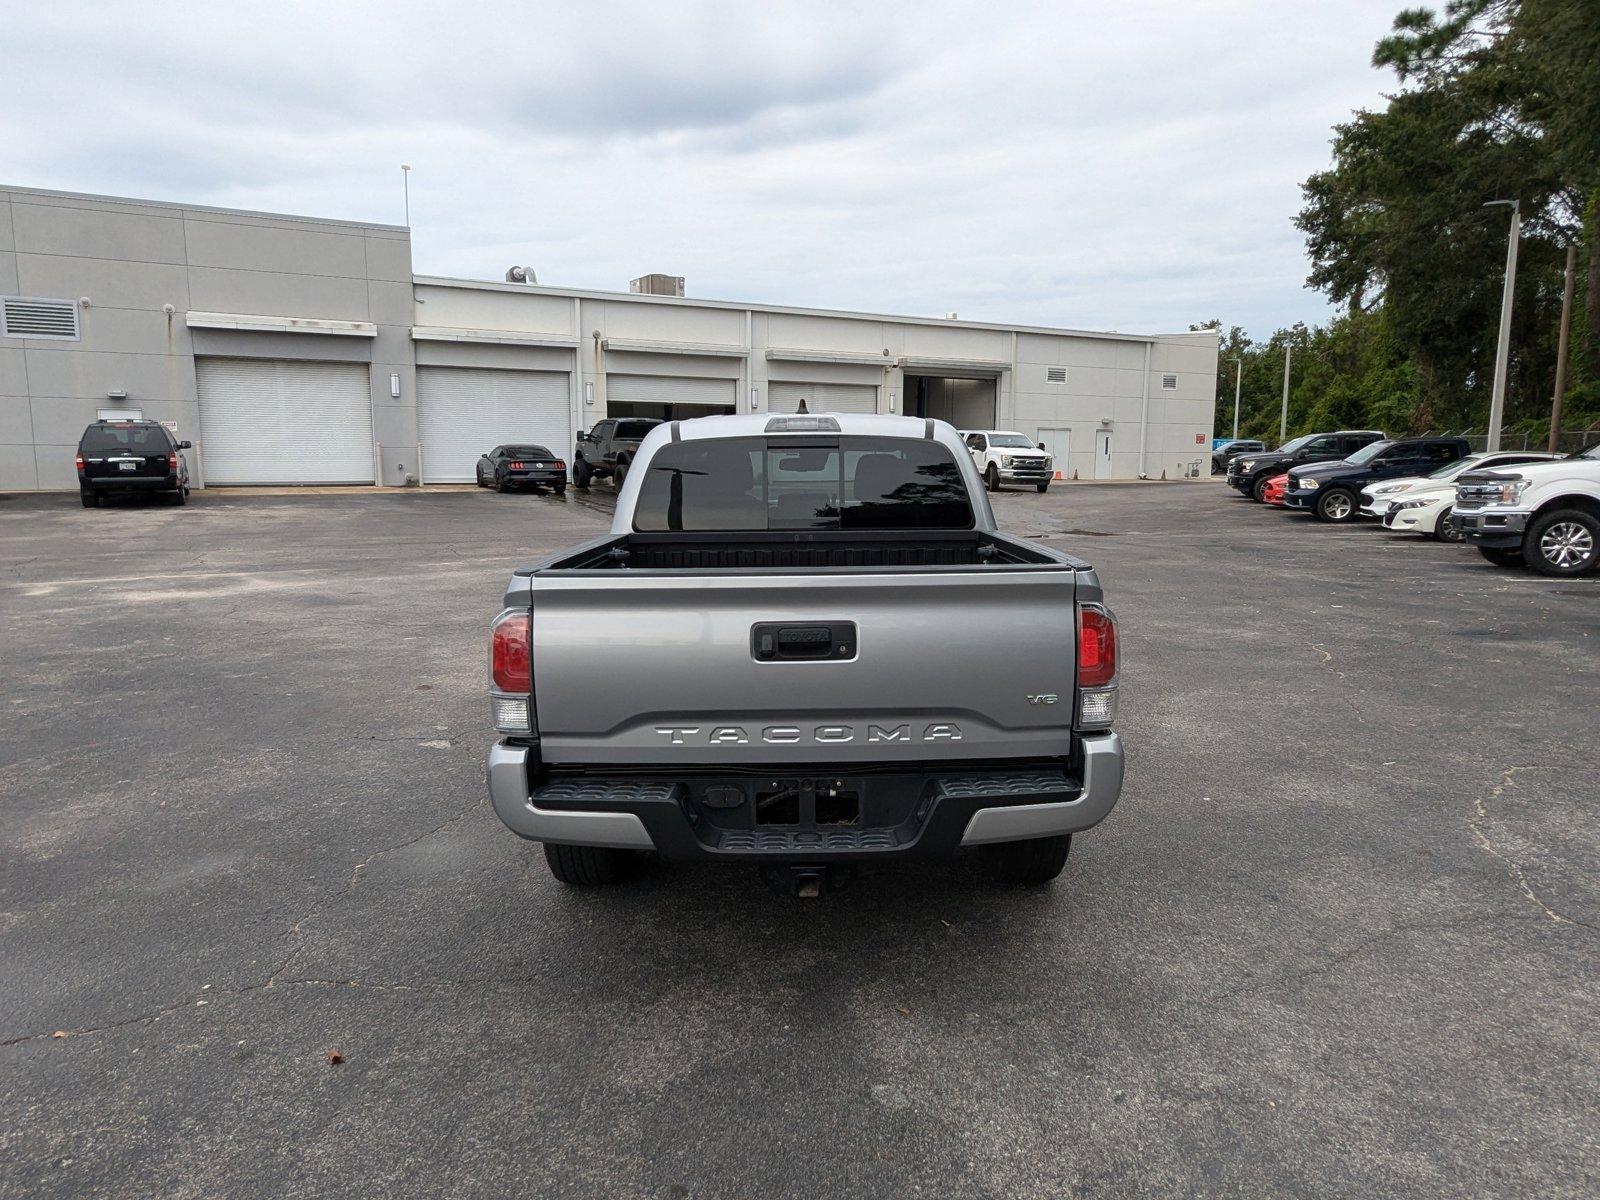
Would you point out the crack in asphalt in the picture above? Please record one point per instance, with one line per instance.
(274, 978)
(1508, 779)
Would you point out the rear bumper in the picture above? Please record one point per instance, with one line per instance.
(959, 809)
(128, 483)
(545, 477)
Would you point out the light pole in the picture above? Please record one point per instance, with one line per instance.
(405, 175)
(1238, 382)
(1561, 346)
(1283, 421)
(1502, 353)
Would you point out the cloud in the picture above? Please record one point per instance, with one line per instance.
(1132, 167)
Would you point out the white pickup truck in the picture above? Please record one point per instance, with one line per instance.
(1546, 515)
(1004, 457)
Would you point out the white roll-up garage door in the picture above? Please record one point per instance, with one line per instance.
(671, 389)
(464, 412)
(266, 420)
(785, 397)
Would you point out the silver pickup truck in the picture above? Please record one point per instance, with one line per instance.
(804, 644)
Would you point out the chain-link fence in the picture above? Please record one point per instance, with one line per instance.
(1569, 441)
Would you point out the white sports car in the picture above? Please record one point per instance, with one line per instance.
(1378, 498)
(1423, 504)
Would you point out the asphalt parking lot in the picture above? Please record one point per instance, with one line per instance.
(1338, 938)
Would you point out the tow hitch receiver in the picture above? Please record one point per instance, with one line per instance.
(805, 882)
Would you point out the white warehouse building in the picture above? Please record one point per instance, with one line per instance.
(294, 350)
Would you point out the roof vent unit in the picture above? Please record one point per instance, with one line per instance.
(521, 275)
(657, 285)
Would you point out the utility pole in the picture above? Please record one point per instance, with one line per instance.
(1561, 346)
(1502, 353)
(1283, 421)
(1238, 382)
(405, 174)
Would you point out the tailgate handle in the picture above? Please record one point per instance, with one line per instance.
(775, 641)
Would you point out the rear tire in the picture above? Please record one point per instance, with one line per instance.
(991, 478)
(178, 497)
(559, 489)
(581, 474)
(1563, 544)
(618, 474)
(499, 485)
(1502, 556)
(587, 866)
(89, 498)
(1041, 486)
(1030, 863)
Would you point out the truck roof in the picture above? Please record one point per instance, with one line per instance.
(757, 425)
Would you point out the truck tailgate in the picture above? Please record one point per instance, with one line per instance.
(639, 667)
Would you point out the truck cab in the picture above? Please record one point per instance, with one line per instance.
(830, 654)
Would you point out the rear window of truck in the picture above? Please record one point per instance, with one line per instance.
(752, 484)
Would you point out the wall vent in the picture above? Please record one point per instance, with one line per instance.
(1170, 382)
(29, 317)
(1055, 374)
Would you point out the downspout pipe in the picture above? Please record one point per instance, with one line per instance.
(1144, 411)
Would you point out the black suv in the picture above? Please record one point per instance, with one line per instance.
(1249, 472)
(608, 448)
(1332, 490)
(130, 457)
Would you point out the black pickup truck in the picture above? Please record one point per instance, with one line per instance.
(608, 448)
(1332, 490)
(1248, 473)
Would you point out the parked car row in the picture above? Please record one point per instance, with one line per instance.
(1517, 506)
(608, 450)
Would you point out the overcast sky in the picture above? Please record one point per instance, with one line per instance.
(1130, 166)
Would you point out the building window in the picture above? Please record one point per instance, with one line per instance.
(1170, 382)
(29, 317)
(1055, 374)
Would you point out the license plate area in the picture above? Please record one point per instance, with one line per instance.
(807, 802)
(127, 466)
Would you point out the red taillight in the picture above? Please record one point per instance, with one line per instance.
(511, 654)
(516, 466)
(172, 463)
(1097, 647)
(561, 464)
(79, 460)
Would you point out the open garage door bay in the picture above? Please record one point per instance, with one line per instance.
(464, 412)
(785, 397)
(268, 420)
(668, 397)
